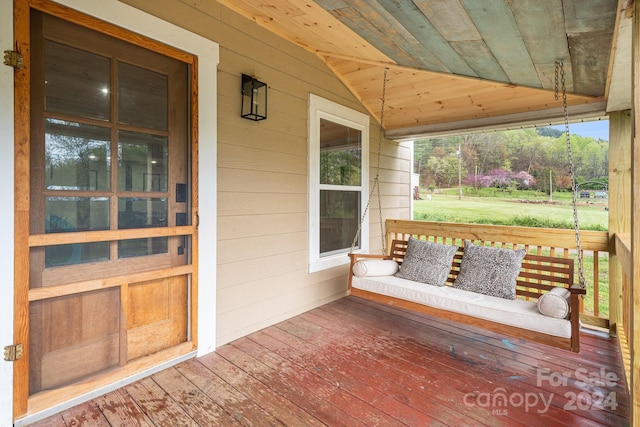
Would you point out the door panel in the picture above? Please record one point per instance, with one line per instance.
(156, 316)
(68, 344)
(110, 203)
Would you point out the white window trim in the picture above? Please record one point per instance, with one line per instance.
(320, 108)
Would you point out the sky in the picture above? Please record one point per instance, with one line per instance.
(598, 129)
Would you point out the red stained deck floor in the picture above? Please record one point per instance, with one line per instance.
(358, 363)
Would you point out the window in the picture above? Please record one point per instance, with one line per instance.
(338, 182)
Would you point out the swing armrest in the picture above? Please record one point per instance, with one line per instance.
(357, 257)
(577, 290)
(574, 316)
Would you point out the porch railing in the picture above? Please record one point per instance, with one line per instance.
(624, 327)
(594, 308)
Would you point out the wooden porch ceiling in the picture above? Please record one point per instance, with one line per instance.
(457, 64)
(358, 363)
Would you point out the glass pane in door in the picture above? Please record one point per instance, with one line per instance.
(67, 214)
(142, 97)
(77, 156)
(141, 212)
(142, 162)
(76, 82)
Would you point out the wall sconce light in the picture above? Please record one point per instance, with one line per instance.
(254, 99)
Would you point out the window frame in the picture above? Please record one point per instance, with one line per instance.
(321, 108)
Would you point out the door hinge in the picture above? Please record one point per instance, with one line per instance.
(13, 352)
(13, 59)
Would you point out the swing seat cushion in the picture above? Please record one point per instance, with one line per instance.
(519, 313)
(427, 262)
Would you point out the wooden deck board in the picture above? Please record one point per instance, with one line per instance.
(356, 363)
(87, 413)
(152, 399)
(119, 409)
(499, 363)
(451, 379)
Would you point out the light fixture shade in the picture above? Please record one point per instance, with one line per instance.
(254, 99)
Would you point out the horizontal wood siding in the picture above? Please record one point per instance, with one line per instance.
(263, 172)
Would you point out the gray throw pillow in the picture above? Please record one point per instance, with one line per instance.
(427, 262)
(489, 271)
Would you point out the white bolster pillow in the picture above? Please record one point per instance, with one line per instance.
(555, 303)
(375, 267)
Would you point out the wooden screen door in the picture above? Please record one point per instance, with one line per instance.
(111, 205)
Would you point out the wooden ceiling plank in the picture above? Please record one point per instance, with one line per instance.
(350, 68)
(441, 113)
(450, 19)
(404, 84)
(412, 18)
(316, 30)
(590, 62)
(498, 27)
(619, 81)
(455, 26)
(505, 122)
(547, 75)
(541, 25)
(582, 16)
(332, 4)
(413, 107)
(480, 58)
(440, 89)
(590, 21)
(444, 87)
(383, 36)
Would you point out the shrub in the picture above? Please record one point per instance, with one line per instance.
(502, 179)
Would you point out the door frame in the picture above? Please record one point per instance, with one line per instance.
(203, 146)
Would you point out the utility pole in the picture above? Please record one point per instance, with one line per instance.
(476, 179)
(459, 172)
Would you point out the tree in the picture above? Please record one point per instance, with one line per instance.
(532, 151)
(542, 180)
(443, 170)
(549, 131)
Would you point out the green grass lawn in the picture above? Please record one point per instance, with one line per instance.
(528, 210)
(533, 212)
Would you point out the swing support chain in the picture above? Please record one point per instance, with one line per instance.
(559, 74)
(376, 180)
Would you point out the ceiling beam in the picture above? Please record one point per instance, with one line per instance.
(554, 116)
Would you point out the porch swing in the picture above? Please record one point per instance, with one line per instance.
(541, 281)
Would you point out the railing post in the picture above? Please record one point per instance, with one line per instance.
(620, 124)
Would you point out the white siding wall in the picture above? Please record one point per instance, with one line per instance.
(262, 173)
